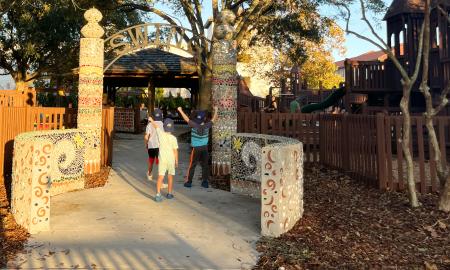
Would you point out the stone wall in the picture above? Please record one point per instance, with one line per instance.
(270, 168)
(47, 163)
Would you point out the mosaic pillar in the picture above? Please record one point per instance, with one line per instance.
(90, 90)
(224, 92)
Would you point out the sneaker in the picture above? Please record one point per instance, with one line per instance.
(149, 177)
(205, 184)
(164, 185)
(169, 196)
(158, 198)
(188, 184)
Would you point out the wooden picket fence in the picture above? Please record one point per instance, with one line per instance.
(368, 147)
(16, 120)
(12, 98)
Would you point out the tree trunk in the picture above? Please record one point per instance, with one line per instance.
(444, 198)
(404, 105)
(441, 165)
(205, 90)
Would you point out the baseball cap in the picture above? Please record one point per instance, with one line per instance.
(157, 115)
(200, 117)
(169, 125)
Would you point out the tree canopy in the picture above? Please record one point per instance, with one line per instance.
(41, 37)
(282, 25)
(317, 66)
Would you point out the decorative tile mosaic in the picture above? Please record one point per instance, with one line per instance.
(90, 86)
(224, 92)
(270, 168)
(46, 163)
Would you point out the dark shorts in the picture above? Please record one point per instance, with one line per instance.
(153, 152)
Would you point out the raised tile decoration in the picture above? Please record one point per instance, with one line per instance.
(270, 168)
(224, 92)
(90, 87)
(46, 163)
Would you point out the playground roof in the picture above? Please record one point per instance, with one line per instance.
(152, 61)
(404, 6)
(164, 68)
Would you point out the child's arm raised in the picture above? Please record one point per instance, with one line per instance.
(214, 118)
(185, 117)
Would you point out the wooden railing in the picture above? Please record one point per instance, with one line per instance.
(364, 76)
(253, 103)
(12, 98)
(16, 120)
(365, 146)
(303, 127)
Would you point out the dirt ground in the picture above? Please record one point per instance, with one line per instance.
(13, 236)
(347, 225)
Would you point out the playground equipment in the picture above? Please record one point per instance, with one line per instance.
(329, 101)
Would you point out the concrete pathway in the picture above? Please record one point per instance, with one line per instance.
(120, 226)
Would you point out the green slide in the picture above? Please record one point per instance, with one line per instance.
(329, 101)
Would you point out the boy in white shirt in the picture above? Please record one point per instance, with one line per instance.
(168, 156)
(152, 142)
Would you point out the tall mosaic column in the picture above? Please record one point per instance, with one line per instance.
(224, 92)
(91, 85)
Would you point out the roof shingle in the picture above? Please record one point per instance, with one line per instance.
(152, 61)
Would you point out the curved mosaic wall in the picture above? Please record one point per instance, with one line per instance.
(47, 163)
(270, 168)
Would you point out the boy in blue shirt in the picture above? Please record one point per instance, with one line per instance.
(199, 142)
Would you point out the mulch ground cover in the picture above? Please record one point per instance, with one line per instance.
(97, 179)
(13, 236)
(348, 225)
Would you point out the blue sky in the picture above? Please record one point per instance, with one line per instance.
(354, 45)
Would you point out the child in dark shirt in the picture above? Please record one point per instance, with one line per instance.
(199, 142)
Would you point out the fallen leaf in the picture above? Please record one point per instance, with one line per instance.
(442, 225)
(432, 231)
(430, 266)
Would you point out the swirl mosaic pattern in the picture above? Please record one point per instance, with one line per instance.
(46, 163)
(270, 168)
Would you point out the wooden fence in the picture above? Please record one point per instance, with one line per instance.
(15, 120)
(367, 147)
(303, 127)
(12, 98)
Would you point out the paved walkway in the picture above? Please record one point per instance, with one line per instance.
(120, 226)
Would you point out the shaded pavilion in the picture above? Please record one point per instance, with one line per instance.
(152, 68)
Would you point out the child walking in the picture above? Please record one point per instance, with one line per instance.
(199, 143)
(168, 156)
(151, 141)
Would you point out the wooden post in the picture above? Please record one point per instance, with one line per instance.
(345, 143)
(151, 95)
(381, 151)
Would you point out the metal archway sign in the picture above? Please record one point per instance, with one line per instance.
(150, 35)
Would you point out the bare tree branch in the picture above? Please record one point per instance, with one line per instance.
(215, 8)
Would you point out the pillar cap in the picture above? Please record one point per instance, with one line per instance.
(92, 29)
